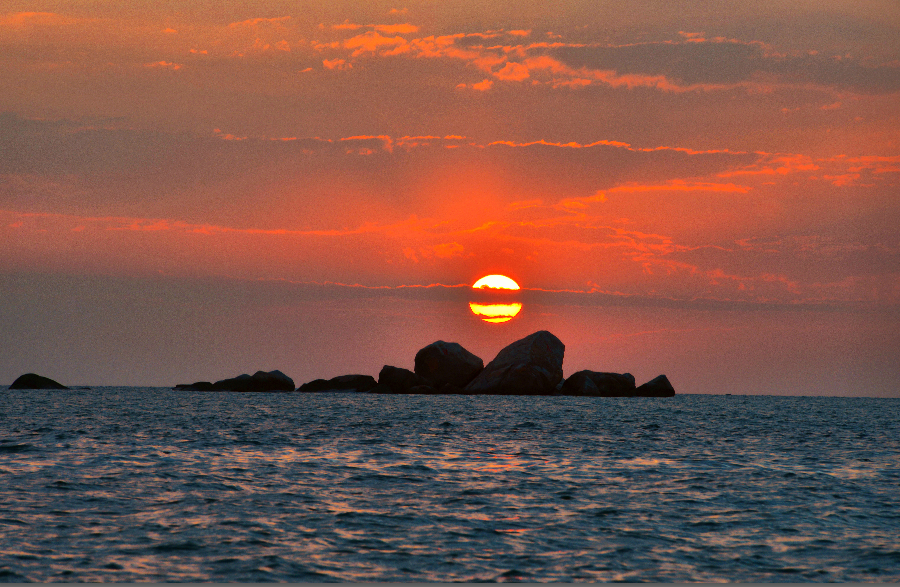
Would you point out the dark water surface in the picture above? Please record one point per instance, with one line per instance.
(134, 484)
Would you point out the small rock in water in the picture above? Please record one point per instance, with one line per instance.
(196, 386)
(657, 387)
(32, 381)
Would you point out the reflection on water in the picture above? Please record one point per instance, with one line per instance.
(495, 312)
(127, 485)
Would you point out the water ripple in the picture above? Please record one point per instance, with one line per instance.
(125, 484)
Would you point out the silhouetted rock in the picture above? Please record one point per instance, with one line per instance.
(361, 383)
(196, 386)
(259, 381)
(32, 381)
(530, 366)
(601, 384)
(399, 380)
(447, 362)
(658, 387)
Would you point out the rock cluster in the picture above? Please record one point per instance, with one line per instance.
(530, 366)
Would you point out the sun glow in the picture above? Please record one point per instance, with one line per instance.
(495, 312)
(495, 282)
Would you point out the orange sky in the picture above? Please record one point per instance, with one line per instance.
(662, 153)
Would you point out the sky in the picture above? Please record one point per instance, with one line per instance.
(193, 190)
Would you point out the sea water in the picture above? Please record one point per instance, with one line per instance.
(135, 484)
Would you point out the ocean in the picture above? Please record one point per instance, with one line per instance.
(148, 484)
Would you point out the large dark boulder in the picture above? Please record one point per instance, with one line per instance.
(530, 366)
(361, 383)
(259, 381)
(595, 383)
(447, 362)
(399, 380)
(32, 381)
(658, 387)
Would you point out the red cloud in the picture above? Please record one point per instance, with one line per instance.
(164, 65)
(336, 64)
(372, 41)
(512, 72)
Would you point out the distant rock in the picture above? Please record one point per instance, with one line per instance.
(444, 363)
(259, 381)
(595, 383)
(658, 387)
(530, 366)
(399, 380)
(196, 386)
(32, 381)
(360, 383)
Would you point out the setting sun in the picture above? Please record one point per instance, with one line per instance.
(495, 282)
(495, 313)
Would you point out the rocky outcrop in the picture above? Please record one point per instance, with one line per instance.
(657, 387)
(530, 366)
(32, 381)
(443, 363)
(595, 383)
(360, 383)
(398, 380)
(259, 381)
